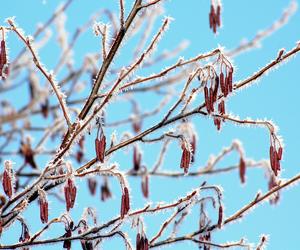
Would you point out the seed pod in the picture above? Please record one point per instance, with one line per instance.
(100, 145)
(242, 170)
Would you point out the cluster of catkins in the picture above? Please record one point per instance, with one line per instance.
(215, 16)
(219, 85)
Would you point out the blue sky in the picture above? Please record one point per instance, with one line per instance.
(274, 97)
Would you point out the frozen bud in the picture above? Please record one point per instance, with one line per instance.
(70, 193)
(43, 202)
(217, 122)
(100, 145)
(185, 157)
(125, 202)
(92, 184)
(242, 170)
(137, 158)
(7, 178)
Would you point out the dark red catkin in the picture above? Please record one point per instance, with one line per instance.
(7, 179)
(218, 16)
(43, 207)
(275, 157)
(145, 185)
(4, 70)
(70, 191)
(125, 202)
(142, 242)
(207, 99)
(242, 170)
(222, 82)
(185, 158)
(220, 216)
(137, 157)
(230, 87)
(211, 99)
(216, 88)
(221, 107)
(193, 146)
(100, 145)
(92, 184)
(217, 122)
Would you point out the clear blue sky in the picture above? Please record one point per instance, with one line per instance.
(274, 97)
